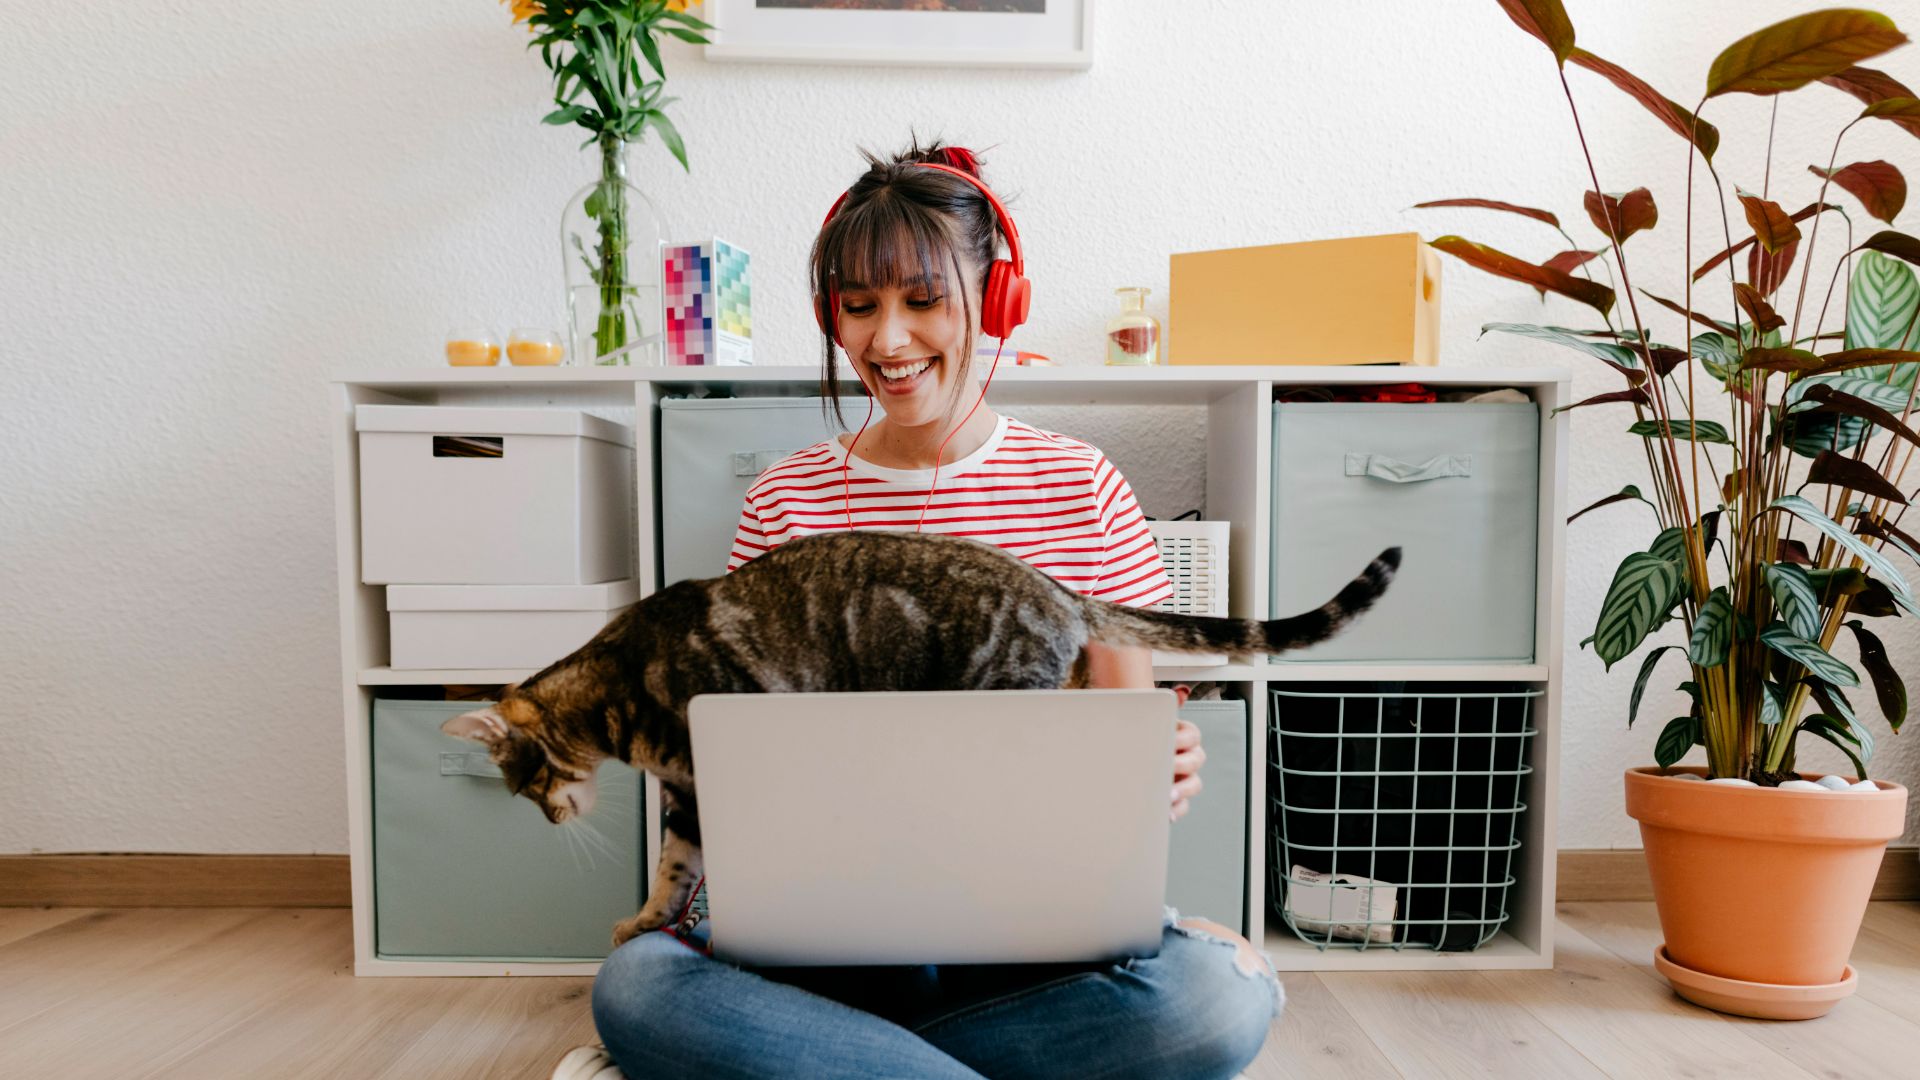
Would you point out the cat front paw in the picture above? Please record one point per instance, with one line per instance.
(647, 920)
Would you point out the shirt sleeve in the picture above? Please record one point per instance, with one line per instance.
(1130, 570)
(750, 540)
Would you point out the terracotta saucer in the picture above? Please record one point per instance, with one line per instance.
(1764, 1001)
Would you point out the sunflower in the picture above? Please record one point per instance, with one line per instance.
(525, 9)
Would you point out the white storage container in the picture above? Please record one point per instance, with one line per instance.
(473, 496)
(1195, 556)
(498, 626)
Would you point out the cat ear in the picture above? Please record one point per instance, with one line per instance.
(484, 725)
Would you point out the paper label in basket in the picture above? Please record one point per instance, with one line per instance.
(1345, 905)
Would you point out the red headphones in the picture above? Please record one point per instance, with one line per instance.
(1004, 303)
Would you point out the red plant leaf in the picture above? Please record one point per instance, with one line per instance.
(1835, 401)
(1793, 53)
(1793, 551)
(1895, 109)
(1872, 86)
(1637, 395)
(1804, 213)
(1568, 261)
(1546, 20)
(1681, 122)
(1494, 204)
(1767, 269)
(1877, 184)
(1499, 263)
(1897, 244)
(1620, 216)
(1666, 358)
(1757, 307)
(1771, 225)
(1840, 470)
(1703, 320)
(1798, 360)
(1859, 358)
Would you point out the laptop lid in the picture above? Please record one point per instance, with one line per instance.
(1003, 826)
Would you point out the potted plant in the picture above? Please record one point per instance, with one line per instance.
(1777, 447)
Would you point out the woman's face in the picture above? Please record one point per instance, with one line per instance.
(908, 343)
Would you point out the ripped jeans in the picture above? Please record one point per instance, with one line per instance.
(1201, 1008)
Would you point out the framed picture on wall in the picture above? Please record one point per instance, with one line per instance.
(966, 33)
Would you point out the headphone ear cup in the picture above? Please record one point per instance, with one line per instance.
(1004, 304)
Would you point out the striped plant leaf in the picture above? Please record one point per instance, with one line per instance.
(1720, 354)
(1712, 636)
(1705, 431)
(1643, 591)
(1795, 598)
(1773, 704)
(1876, 562)
(1618, 355)
(1835, 704)
(1882, 297)
(1676, 739)
(1807, 654)
(1640, 681)
(1836, 733)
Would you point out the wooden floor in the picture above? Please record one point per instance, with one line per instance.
(209, 993)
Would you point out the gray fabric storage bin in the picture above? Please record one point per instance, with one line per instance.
(711, 452)
(1207, 849)
(1454, 485)
(463, 870)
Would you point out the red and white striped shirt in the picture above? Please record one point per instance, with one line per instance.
(1056, 502)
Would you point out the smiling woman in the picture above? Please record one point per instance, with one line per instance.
(907, 275)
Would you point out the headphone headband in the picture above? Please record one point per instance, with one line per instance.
(999, 211)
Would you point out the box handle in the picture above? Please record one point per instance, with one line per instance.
(458, 763)
(1394, 471)
(480, 446)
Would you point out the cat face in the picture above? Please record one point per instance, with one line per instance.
(561, 787)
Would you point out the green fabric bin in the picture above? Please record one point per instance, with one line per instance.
(463, 870)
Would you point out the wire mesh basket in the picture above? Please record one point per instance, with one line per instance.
(1395, 812)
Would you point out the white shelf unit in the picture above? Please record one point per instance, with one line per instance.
(1239, 489)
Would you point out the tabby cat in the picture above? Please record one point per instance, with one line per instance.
(832, 612)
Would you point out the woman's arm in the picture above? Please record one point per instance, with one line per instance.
(1123, 667)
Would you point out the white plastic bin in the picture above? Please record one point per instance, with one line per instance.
(477, 496)
(498, 626)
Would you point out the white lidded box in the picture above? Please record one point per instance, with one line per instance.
(498, 626)
(1195, 556)
(477, 496)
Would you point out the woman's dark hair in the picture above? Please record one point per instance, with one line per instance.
(899, 221)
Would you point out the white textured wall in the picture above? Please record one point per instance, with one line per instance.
(205, 210)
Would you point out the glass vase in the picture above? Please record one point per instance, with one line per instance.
(1133, 336)
(610, 237)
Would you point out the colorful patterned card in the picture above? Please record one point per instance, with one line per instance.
(706, 299)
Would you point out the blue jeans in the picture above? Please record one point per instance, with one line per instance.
(667, 1009)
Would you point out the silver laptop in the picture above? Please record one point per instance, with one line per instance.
(967, 827)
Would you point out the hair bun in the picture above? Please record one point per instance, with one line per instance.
(961, 158)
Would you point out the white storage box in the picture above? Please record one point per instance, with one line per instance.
(473, 496)
(1195, 555)
(498, 626)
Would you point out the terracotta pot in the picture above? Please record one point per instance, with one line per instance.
(1761, 887)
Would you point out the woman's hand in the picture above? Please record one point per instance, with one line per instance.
(1187, 759)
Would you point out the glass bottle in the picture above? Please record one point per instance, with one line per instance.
(1133, 336)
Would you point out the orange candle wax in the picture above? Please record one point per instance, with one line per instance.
(533, 353)
(472, 353)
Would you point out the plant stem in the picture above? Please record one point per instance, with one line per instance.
(610, 330)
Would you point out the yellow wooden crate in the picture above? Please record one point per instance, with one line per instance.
(1363, 300)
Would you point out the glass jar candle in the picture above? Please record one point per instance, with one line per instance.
(468, 347)
(1133, 336)
(534, 346)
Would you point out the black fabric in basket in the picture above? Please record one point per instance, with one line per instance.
(1450, 899)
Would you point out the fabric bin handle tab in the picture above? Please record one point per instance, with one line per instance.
(1392, 470)
(458, 763)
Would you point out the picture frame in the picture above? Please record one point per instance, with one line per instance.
(1054, 34)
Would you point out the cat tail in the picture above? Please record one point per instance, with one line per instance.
(1116, 624)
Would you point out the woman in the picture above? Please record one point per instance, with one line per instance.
(901, 271)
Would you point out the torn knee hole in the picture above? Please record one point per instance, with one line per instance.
(1246, 959)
